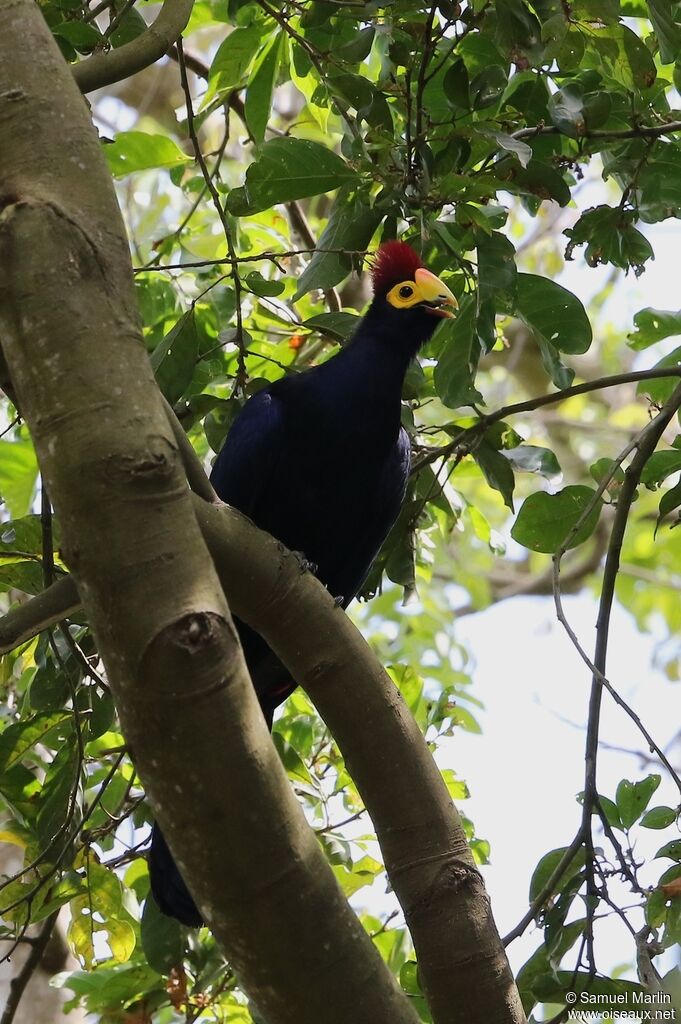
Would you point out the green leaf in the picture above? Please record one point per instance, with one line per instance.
(534, 459)
(163, 938)
(553, 312)
(517, 147)
(659, 466)
(659, 817)
(409, 978)
(457, 788)
(610, 237)
(56, 797)
(566, 107)
(658, 190)
(358, 48)
(129, 27)
(23, 536)
(339, 326)
(607, 469)
(409, 683)
(546, 867)
(654, 325)
(497, 471)
(260, 285)
(671, 850)
(258, 101)
(350, 227)
(18, 474)
(487, 87)
(174, 358)
(291, 759)
(551, 988)
(669, 501)
(496, 281)
(656, 908)
(138, 151)
(660, 389)
(307, 82)
(232, 60)
(455, 371)
(20, 788)
(609, 808)
(537, 179)
(455, 85)
(546, 520)
(666, 29)
(82, 36)
(20, 737)
(623, 55)
(633, 797)
(289, 169)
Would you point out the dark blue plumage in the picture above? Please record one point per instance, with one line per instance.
(320, 461)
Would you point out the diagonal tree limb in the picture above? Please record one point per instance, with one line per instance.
(106, 68)
(420, 833)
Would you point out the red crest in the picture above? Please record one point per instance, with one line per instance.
(394, 262)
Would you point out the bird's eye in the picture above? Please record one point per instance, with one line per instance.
(406, 291)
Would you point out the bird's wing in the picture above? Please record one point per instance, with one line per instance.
(250, 454)
(381, 508)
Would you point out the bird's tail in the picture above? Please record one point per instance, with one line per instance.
(167, 884)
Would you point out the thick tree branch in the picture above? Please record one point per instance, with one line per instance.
(115, 65)
(425, 851)
(431, 869)
(71, 338)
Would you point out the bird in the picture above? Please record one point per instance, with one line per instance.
(320, 460)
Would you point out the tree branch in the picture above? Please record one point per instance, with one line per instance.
(426, 855)
(106, 68)
(641, 131)
(487, 420)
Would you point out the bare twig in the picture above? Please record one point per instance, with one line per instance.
(531, 404)
(210, 185)
(548, 890)
(641, 131)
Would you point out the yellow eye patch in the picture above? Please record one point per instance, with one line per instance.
(404, 295)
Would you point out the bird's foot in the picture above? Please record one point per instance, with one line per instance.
(339, 601)
(305, 565)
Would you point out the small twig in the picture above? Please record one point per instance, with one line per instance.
(117, 18)
(644, 445)
(640, 131)
(537, 403)
(260, 257)
(548, 890)
(241, 376)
